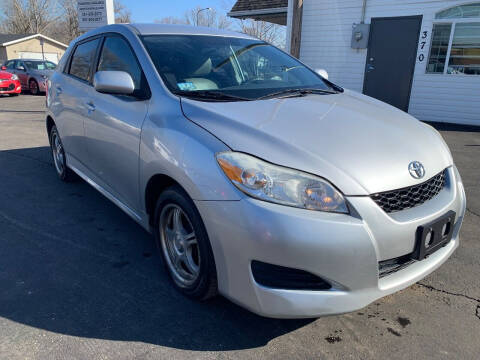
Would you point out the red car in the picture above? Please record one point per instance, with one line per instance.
(9, 84)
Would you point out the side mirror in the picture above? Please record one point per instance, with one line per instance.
(113, 82)
(322, 72)
(21, 68)
(4, 68)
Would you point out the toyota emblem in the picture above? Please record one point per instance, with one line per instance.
(416, 169)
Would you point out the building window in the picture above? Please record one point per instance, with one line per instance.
(460, 12)
(455, 47)
(439, 48)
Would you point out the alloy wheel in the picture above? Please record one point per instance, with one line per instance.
(58, 153)
(179, 245)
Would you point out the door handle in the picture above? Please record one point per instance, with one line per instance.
(90, 106)
(58, 90)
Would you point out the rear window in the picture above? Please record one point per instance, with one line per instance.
(82, 59)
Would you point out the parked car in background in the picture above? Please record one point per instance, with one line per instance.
(32, 73)
(9, 84)
(258, 177)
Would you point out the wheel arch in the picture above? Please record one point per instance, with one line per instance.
(154, 188)
(49, 123)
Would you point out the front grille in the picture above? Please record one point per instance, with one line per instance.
(406, 198)
(391, 266)
(281, 277)
(9, 88)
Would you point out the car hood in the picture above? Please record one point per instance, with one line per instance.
(5, 75)
(359, 144)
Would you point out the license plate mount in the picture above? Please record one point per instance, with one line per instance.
(434, 235)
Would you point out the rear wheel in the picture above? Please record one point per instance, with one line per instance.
(59, 158)
(33, 86)
(184, 245)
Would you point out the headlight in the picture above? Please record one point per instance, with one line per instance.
(14, 77)
(280, 185)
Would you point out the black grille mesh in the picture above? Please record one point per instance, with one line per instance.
(391, 266)
(406, 198)
(9, 88)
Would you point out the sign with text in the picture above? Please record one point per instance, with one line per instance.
(94, 13)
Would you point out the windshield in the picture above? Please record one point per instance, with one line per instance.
(39, 65)
(235, 67)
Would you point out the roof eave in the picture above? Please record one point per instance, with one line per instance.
(259, 12)
(8, 43)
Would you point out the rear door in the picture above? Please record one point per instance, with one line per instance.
(113, 127)
(72, 91)
(391, 57)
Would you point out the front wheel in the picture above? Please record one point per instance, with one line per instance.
(184, 245)
(59, 158)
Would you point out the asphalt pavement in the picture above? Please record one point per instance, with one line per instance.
(80, 280)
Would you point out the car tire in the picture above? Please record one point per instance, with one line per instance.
(33, 87)
(194, 274)
(59, 158)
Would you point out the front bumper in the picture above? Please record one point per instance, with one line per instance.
(343, 249)
(10, 87)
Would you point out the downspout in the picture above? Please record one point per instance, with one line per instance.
(364, 8)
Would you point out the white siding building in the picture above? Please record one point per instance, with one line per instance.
(422, 56)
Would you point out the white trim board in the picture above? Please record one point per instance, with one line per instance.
(33, 37)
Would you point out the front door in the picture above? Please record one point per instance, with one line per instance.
(113, 127)
(391, 58)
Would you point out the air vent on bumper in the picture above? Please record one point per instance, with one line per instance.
(280, 277)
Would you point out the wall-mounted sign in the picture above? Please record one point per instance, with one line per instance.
(94, 13)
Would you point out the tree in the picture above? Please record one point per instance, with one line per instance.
(67, 29)
(207, 17)
(269, 32)
(122, 13)
(196, 17)
(28, 16)
(171, 20)
(55, 18)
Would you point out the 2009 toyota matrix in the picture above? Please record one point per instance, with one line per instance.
(259, 178)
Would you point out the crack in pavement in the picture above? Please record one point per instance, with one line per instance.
(432, 288)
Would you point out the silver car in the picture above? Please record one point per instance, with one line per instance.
(259, 178)
(32, 73)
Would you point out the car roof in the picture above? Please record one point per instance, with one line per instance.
(164, 29)
(158, 29)
(28, 60)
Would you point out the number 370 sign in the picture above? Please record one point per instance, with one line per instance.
(94, 13)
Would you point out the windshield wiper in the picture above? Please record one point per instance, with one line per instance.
(210, 94)
(296, 92)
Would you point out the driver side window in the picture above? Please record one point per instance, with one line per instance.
(117, 55)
